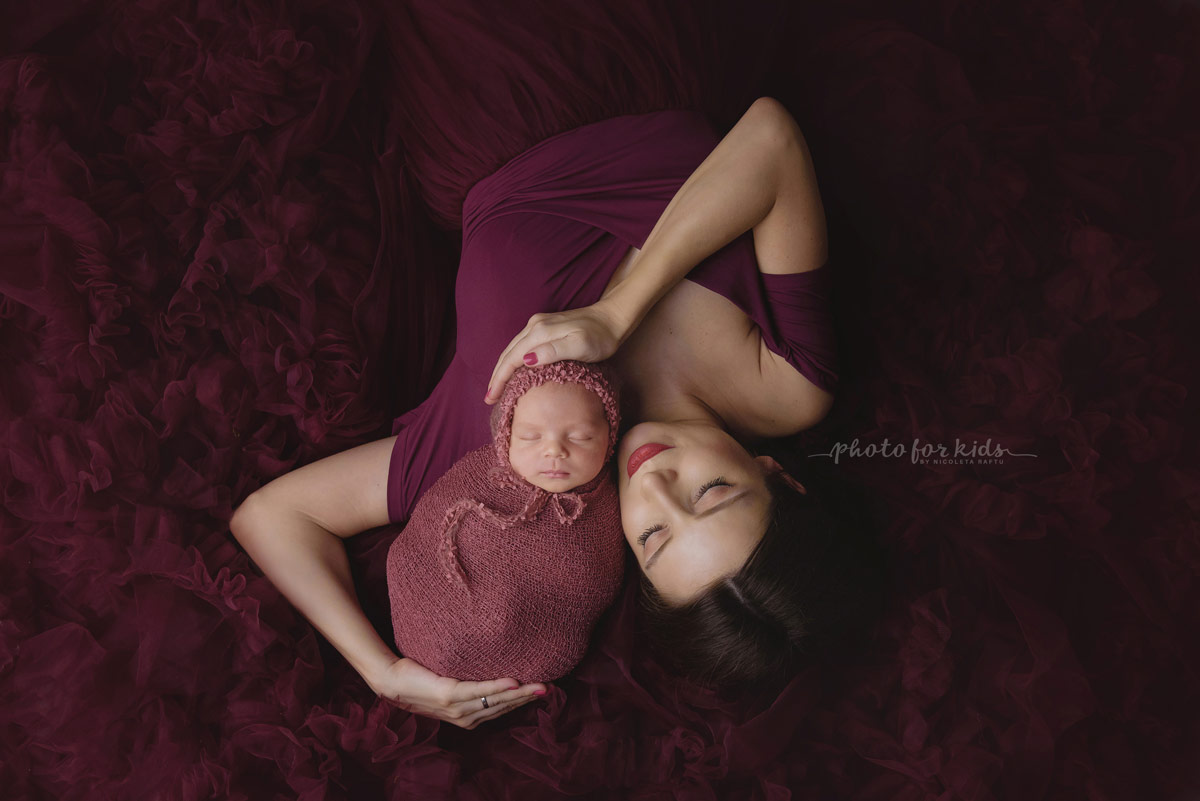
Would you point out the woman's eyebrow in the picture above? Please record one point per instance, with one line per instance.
(727, 502)
(716, 507)
(650, 562)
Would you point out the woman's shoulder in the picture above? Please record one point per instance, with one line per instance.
(759, 394)
(786, 402)
(704, 342)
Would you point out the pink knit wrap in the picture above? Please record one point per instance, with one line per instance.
(494, 577)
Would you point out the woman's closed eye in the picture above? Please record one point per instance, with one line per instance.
(719, 481)
(716, 482)
(645, 535)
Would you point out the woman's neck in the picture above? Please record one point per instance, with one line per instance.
(692, 358)
(659, 394)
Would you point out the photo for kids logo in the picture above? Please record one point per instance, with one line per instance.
(972, 452)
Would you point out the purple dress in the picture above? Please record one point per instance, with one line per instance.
(545, 233)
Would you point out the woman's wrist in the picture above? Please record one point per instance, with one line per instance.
(374, 671)
(622, 315)
(628, 302)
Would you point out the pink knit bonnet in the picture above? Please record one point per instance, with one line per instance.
(594, 377)
(494, 577)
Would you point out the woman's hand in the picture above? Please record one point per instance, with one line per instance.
(414, 688)
(590, 334)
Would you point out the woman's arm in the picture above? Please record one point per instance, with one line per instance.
(760, 177)
(293, 529)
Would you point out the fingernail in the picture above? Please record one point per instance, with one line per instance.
(531, 358)
(487, 394)
(539, 692)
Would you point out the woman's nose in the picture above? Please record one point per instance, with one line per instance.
(658, 484)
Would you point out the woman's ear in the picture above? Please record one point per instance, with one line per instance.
(772, 466)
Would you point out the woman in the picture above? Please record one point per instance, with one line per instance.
(696, 367)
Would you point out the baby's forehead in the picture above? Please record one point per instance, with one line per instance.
(542, 402)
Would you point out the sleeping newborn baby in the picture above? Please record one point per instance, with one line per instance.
(510, 557)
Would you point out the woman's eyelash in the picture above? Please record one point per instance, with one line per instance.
(645, 535)
(719, 481)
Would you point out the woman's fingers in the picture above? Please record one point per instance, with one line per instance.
(526, 349)
(590, 334)
(493, 712)
(469, 710)
(416, 688)
(474, 704)
(474, 690)
(503, 371)
(545, 353)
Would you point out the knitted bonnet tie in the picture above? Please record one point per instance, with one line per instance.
(566, 506)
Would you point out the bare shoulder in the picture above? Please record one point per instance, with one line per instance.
(765, 396)
(344, 493)
(789, 402)
(706, 343)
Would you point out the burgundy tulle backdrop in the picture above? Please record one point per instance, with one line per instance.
(227, 248)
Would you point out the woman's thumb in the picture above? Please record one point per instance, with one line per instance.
(546, 353)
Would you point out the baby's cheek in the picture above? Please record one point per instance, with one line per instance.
(595, 465)
(519, 463)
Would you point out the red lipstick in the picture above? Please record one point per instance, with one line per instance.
(643, 454)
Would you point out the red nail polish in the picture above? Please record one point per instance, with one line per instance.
(531, 358)
(539, 692)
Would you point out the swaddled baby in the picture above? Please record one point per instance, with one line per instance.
(510, 557)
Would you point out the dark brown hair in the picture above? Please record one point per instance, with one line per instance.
(806, 591)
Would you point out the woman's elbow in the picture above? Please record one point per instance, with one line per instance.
(771, 120)
(248, 517)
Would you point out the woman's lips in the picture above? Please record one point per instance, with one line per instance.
(643, 454)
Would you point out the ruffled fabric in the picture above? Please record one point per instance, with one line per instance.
(218, 262)
(467, 67)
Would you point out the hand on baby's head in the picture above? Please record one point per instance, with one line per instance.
(559, 436)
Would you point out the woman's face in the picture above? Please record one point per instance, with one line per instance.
(694, 512)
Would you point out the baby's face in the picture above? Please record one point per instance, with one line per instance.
(559, 436)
